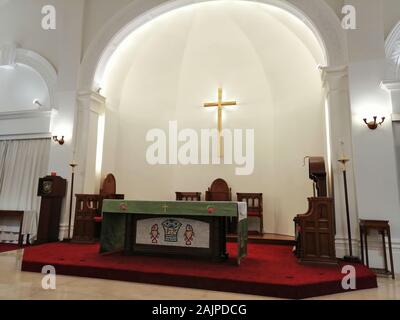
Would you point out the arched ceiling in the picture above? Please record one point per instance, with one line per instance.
(276, 37)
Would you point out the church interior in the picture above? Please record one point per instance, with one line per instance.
(199, 149)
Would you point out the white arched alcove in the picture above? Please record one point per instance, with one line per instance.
(25, 77)
(315, 14)
(36, 75)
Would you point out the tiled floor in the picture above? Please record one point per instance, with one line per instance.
(15, 284)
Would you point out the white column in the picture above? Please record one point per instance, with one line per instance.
(336, 84)
(91, 109)
(393, 87)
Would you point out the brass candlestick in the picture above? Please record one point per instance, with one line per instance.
(343, 160)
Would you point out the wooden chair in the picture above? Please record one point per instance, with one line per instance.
(219, 191)
(88, 212)
(188, 196)
(254, 206)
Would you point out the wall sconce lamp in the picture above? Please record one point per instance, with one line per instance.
(60, 141)
(37, 102)
(373, 125)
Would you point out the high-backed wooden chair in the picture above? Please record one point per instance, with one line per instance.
(219, 191)
(188, 196)
(254, 206)
(88, 211)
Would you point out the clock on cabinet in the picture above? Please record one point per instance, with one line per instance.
(52, 190)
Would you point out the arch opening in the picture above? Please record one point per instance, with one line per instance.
(282, 8)
(268, 64)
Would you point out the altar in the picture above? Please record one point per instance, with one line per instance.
(187, 229)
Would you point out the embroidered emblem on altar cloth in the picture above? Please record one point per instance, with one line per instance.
(189, 235)
(155, 234)
(171, 229)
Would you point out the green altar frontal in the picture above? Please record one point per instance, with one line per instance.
(188, 229)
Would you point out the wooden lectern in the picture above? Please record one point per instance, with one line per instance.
(52, 189)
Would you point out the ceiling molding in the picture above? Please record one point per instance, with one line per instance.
(26, 114)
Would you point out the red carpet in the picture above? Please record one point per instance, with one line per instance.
(269, 270)
(5, 247)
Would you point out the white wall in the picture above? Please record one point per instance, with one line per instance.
(166, 70)
(375, 163)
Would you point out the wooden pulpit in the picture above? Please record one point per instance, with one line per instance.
(315, 230)
(88, 211)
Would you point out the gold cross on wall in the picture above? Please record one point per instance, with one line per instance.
(220, 105)
(165, 207)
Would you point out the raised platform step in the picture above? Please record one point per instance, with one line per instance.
(269, 270)
(266, 238)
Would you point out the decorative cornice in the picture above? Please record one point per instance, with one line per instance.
(83, 95)
(395, 117)
(26, 114)
(332, 77)
(92, 100)
(340, 71)
(390, 85)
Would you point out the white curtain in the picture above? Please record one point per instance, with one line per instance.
(22, 163)
(3, 149)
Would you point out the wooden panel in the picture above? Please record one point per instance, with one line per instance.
(317, 232)
(87, 209)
